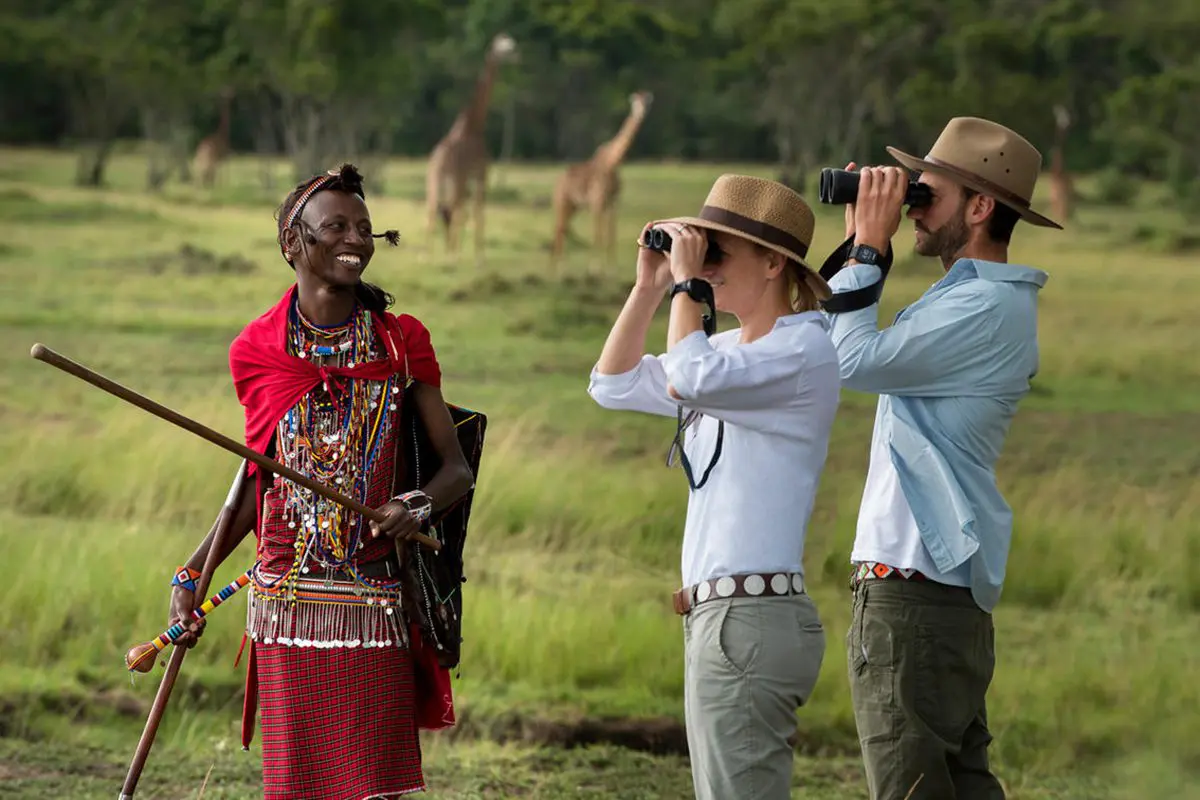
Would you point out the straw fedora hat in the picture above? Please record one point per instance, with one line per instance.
(765, 212)
(987, 157)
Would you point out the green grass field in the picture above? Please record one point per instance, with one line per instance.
(575, 533)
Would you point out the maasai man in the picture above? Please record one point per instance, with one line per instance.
(322, 375)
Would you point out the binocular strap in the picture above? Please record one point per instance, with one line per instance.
(856, 299)
(677, 444)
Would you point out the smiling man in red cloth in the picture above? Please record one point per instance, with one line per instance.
(335, 662)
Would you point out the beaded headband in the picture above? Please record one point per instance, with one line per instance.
(309, 192)
(317, 185)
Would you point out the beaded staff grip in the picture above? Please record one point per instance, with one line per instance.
(141, 658)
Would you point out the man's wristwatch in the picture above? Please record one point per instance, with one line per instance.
(866, 296)
(865, 254)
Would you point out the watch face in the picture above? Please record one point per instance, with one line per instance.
(866, 255)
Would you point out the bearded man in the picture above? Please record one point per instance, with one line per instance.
(933, 530)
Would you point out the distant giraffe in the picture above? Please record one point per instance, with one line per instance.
(596, 184)
(214, 148)
(1062, 188)
(458, 165)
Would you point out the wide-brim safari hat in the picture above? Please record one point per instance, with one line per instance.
(767, 213)
(989, 158)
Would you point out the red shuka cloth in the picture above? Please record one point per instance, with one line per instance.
(269, 381)
(338, 724)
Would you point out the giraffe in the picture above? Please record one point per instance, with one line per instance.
(213, 148)
(1062, 190)
(596, 184)
(461, 158)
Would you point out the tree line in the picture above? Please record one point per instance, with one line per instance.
(798, 83)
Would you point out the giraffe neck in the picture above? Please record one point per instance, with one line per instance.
(611, 153)
(471, 119)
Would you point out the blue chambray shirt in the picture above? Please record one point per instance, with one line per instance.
(950, 371)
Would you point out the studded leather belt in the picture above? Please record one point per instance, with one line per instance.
(752, 584)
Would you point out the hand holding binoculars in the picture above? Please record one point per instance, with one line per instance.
(659, 241)
(839, 187)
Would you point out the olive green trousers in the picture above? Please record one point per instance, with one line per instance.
(921, 656)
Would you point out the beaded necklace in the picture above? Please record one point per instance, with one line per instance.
(332, 439)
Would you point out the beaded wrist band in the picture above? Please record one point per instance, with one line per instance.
(185, 577)
(419, 504)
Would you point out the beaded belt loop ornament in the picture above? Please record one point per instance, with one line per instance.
(186, 577)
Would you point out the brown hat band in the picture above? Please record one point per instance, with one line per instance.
(752, 227)
(999, 192)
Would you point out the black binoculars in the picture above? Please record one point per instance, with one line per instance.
(660, 241)
(840, 186)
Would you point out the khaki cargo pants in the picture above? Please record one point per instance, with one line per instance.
(750, 663)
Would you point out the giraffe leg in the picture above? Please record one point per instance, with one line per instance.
(480, 200)
(455, 218)
(610, 250)
(599, 229)
(564, 209)
(432, 191)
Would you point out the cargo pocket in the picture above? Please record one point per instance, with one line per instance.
(946, 680)
(873, 661)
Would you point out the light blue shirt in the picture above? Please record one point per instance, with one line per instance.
(950, 371)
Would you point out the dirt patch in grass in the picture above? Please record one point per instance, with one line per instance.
(660, 736)
(74, 706)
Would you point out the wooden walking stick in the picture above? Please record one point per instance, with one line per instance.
(224, 521)
(43, 353)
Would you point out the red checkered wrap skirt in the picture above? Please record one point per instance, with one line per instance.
(338, 723)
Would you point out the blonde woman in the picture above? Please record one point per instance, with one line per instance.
(754, 407)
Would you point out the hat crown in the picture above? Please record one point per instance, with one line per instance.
(990, 151)
(764, 201)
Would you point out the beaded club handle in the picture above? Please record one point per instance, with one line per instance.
(141, 657)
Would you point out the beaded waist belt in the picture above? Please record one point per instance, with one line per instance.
(753, 584)
(324, 612)
(873, 570)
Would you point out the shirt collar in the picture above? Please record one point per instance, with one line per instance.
(803, 316)
(994, 271)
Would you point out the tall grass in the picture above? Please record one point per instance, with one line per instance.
(575, 535)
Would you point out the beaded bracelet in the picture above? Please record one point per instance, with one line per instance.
(419, 504)
(186, 577)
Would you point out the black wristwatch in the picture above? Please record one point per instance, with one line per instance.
(865, 254)
(700, 291)
(855, 299)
